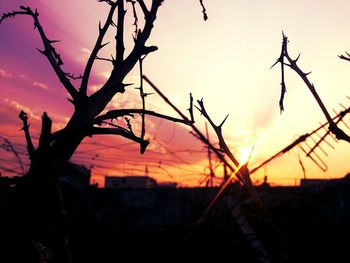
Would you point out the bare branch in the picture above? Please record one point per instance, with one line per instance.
(139, 48)
(197, 133)
(345, 57)
(143, 7)
(204, 11)
(97, 47)
(123, 133)
(25, 128)
(106, 1)
(218, 132)
(135, 15)
(120, 35)
(72, 76)
(281, 60)
(45, 135)
(12, 15)
(121, 68)
(105, 59)
(143, 96)
(190, 109)
(128, 123)
(49, 51)
(340, 134)
(114, 114)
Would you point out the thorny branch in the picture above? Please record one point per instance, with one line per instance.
(73, 76)
(98, 46)
(122, 132)
(120, 35)
(198, 133)
(239, 171)
(218, 131)
(143, 96)
(114, 114)
(30, 147)
(283, 85)
(190, 109)
(204, 11)
(133, 3)
(340, 134)
(49, 51)
(122, 66)
(345, 57)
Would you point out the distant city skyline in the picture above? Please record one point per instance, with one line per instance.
(225, 60)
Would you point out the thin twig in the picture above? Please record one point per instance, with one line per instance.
(142, 95)
(204, 11)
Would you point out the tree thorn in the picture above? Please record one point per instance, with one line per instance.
(222, 123)
(103, 45)
(295, 60)
(277, 61)
(71, 101)
(41, 51)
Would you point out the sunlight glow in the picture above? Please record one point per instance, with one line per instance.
(244, 154)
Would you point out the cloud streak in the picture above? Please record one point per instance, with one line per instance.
(40, 85)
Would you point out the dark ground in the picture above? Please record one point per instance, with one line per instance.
(162, 225)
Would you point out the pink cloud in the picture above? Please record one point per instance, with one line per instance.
(5, 74)
(40, 85)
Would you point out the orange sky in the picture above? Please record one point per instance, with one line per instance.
(225, 60)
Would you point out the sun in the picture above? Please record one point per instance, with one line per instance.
(244, 154)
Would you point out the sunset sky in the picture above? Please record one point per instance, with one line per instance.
(226, 60)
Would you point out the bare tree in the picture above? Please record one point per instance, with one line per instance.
(55, 149)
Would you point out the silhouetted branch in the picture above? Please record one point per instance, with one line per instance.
(49, 51)
(204, 11)
(115, 125)
(128, 123)
(105, 59)
(97, 47)
(122, 66)
(123, 133)
(197, 133)
(25, 128)
(120, 35)
(9, 147)
(344, 57)
(134, 14)
(139, 47)
(106, 1)
(143, 96)
(283, 85)
(45, 135)
(12, 15)
(340, 134)
(218, 131)
(72, 76)
(143, 7)
(190, 109)
(114, 114)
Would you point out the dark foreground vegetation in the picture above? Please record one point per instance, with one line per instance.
(167, 225)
